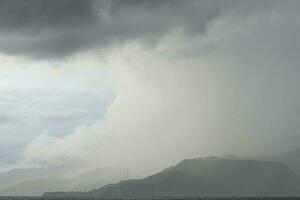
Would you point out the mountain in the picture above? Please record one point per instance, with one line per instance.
(16, 176)
(99, 177)
(90, 180)
(292, 159)
(211, 176)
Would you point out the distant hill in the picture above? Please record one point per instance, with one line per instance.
(211, 176)
(292, 159)
(16, 176)
(90, 180)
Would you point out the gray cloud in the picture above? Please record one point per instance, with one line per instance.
(4, 118)
(51, 29)
(34, 16)
(45, 28)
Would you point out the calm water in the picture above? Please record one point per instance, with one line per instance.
(200, 198)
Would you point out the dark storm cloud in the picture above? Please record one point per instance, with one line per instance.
(36, 15)
(47, 29)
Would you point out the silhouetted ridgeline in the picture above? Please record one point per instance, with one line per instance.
(292, 159)
(202, 177)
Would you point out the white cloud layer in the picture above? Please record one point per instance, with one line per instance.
(49, 150)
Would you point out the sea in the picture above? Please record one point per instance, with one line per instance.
(181, 198)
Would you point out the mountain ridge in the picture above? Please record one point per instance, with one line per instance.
(210, 176)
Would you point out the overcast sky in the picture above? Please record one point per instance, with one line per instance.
(146, 83)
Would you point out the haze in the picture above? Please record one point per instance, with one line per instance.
(145, 84)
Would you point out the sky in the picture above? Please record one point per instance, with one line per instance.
(145, 84)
